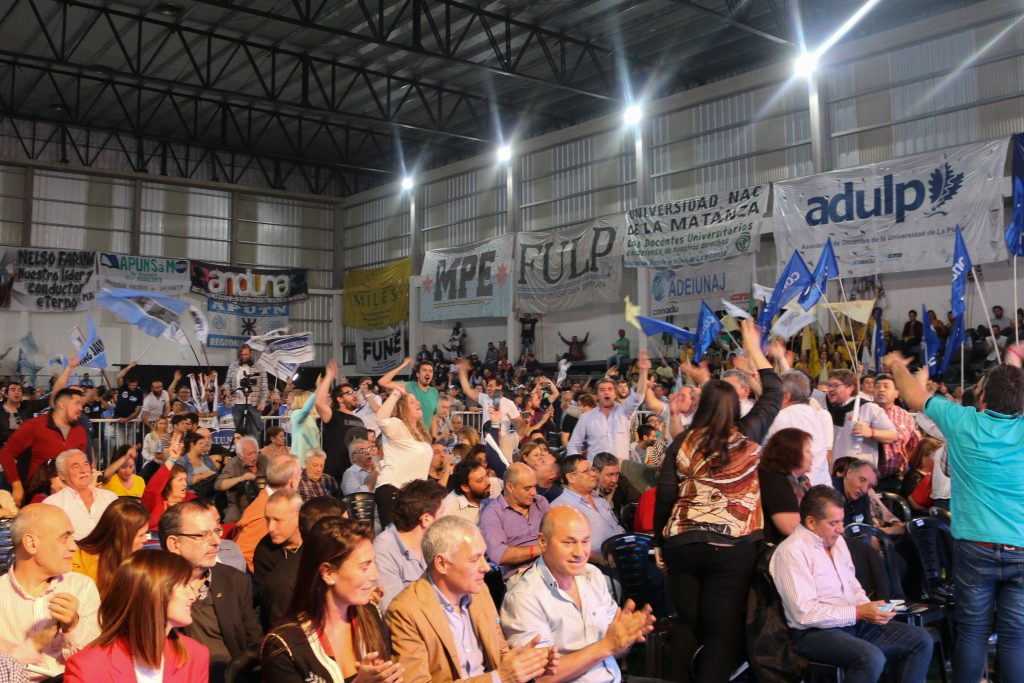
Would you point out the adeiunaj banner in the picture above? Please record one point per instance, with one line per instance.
(377, 297)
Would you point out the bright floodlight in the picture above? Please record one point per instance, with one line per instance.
(806, 64)
(504, 153)
(406, 183)
(632, 115)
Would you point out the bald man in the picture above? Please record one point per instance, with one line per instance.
(42, 600)
(510, 523)
(564, 601)
(283, 538)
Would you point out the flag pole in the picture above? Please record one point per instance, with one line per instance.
(984, 305)
(842, 334)
(1016, 326)
(853, 333)
(148, 347)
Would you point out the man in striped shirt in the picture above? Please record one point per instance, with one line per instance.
(830, 617)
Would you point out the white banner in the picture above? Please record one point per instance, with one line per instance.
(162, 275)
(379, 351)
(471, 281)
(46, 280)
(679, 290)
(696, 230)
(899, 215)
(558, 270)
(232, 324)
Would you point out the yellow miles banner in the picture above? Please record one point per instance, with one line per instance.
(377, 297)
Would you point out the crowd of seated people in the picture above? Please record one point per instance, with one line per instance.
(406, 530)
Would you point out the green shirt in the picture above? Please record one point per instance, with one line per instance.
(428, 401)
(622, 346)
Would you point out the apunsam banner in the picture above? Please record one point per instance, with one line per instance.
(679, 290)
(147, 273)
(380, 351)
(377, 297)
(470, 281)
(231, 325)
(898, 215)
(46, 280)
(249, 285)
(558, 270)
(696, 230)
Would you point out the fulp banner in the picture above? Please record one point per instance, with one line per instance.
(470, 281)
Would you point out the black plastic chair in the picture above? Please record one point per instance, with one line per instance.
(941, 514)
(361, 506)
(889, 556)
(627, 515)
(897, 505)
(628, 555)
(6, 545)
(933, 542)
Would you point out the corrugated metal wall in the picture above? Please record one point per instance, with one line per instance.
(185, 222)
(315, 315)
(12, 201)
(464, 208)
(81, 212)
(286, 233)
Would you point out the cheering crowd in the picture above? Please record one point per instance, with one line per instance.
(465, 523)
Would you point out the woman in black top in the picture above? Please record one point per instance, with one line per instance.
(707, 517)
(785, 462)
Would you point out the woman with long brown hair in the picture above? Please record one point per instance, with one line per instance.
(707, 517)
(139, 640)
(406, 453)
(122, 530)
(333, 633)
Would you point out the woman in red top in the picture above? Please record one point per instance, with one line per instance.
(168, 485)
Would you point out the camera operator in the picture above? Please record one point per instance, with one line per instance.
(250, 391)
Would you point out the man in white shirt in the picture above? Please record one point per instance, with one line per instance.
(470, 487)
(47, 608)
(740, 381)
(797, 412)
(830, 617)
(871, 426)
(605, 429)
(565, 602)
(80, 499)
(156, 403)
(511, 420)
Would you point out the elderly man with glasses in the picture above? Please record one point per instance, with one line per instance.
(223, 618)
(361, 477)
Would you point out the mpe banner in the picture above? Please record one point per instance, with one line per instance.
(696, 230)
(377, 297)
(231, 325)
(149, 274)
(559, 270)
(898, 215)
(380, 351)
(46, 280)
(471, 281)
(678, 291)
(251, 285)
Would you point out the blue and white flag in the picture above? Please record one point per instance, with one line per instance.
(794, 280)
(708, 328)
(953, 344)
(653, 326)
(150, 312)
(878, 343)
(1015, 231)
(961, 266)
(930, 342)
(92, 353)
(282, 355)
(824, 270)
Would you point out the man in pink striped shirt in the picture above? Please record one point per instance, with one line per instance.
(830, 617)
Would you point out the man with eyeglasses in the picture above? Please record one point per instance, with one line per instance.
(858, 437)
(223, 618)
(580, 479)
(361, 477)
(340, 424)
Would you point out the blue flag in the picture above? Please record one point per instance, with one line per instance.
(92, 353)
(151, 312)
(653, 326)
(953, 344)
(961, 266)
(879, 341)
(1015, 231)
(708, 327)
(794, 280)
(824, 270)
(931, 343)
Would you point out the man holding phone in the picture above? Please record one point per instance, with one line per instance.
(494, 395)
(829, 615)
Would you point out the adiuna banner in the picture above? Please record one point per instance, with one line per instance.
(558, 270)
(471, 281)
(380, 351)
(678, 291)
(696, 230)
(250, 285)
(898, 215)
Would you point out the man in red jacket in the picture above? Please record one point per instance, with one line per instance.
(45, 437)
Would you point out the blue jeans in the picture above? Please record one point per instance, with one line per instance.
(256, 423)
(618, 361)
(862, 650)
(988, 580)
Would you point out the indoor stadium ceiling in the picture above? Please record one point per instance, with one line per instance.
(370, 87)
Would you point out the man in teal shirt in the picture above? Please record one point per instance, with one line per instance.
(621, 356)
(985, 448)
(420, 387)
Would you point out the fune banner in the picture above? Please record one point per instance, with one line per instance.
(695, 230)
(471, 281)
(162, 275)
(559, 270)
(380, 351)
(46, 280)
(249, 285)
(377, 297)
(679, 290)
(231, 324)
(899, 215)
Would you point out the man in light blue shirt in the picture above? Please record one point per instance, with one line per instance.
(398, 550)
(985, 450)
(606, 428)
(580, 480)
